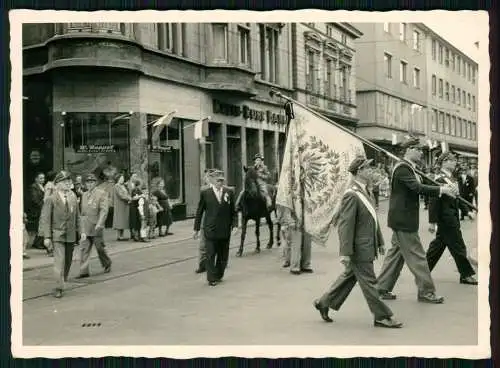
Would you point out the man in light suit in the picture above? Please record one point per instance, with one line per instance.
(403, 219)
(360, 242)
(59, 221)
(217, 207)
(94, 206)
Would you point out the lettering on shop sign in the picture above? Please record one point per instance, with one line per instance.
(96, 148)
(247, 112)
(160, 149)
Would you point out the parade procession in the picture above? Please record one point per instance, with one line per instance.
(363, 167)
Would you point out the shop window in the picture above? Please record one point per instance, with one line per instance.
(93, 141)
(165, 155)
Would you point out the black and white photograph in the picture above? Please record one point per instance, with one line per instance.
(236, 183)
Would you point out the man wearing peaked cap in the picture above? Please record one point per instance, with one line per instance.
(94, 206)
(444, 215)
(216, 208)
(403, 219)
(59, 220)
(361, 240)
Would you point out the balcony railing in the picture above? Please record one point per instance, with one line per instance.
(116, 28)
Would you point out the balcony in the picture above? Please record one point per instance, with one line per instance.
(103, 28)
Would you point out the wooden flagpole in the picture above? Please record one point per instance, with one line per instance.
(364, 140)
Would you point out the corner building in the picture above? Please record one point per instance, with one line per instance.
(82, 79)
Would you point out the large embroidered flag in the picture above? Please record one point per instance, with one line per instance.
(314, 172)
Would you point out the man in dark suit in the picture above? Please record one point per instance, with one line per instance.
(403, 219)
(360, 242)
(443, 212)
(59, 220)
(466, 187)
(220, 217)
(94, 211)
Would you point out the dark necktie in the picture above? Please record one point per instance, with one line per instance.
(66, 204)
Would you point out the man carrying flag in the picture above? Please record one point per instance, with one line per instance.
(403, 219)
(360, 242)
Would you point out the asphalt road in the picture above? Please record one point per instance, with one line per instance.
(153, 297)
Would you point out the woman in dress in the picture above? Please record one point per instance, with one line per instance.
(164, 218)
(121, 199)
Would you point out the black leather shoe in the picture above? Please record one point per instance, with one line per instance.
(306, 270)
(387, 295)
(431, 298)
(212, 283)
(107, 269)
(286, 264)
(322, 311)
(83, 276)
(469, 280)
(200, 270)
(295, 272)
(387, 323)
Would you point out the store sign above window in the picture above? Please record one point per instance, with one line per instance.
(160, 149)
(247, 113)
(96, 148)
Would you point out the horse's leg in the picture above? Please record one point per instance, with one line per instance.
(243, 235)
(278, 234)
(271, 230)
(257, 234)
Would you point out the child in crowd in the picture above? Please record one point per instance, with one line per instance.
(154, 208)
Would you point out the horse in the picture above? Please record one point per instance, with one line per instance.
(253, 207)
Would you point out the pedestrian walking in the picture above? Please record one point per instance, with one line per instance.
(94, 211)
(202, 249)
(403, 219)
(59, 221)
(466, 187)
(360, 241)
(33, 210)
(217, 206)
(164, 218)
(444, 214)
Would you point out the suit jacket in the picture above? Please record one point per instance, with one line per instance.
(467, 187)
(219, 218)
(404, 202)
(94, 211)
(359, 233)
(443, 211)
(58, 221)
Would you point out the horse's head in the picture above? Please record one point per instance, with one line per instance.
(251, 180)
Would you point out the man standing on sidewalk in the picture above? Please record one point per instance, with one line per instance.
(217, 207)
(444, 214)
(94, 211)
(59, 220)
(403, 219)
(202, 250)
(360, 242)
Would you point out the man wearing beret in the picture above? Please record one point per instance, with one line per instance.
(59, 221)
(360, 242)
(94, 206)
(216, 207)
(403, 219)
(444, 214)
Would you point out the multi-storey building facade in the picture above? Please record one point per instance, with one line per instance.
(452, 96)
(324, 69)
(91, 90)
(391, 83)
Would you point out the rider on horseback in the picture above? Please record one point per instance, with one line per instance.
(262, 180)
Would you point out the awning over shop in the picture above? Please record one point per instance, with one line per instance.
(465, 154)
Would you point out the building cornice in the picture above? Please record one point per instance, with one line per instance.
(349, 28)
(449, 45)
